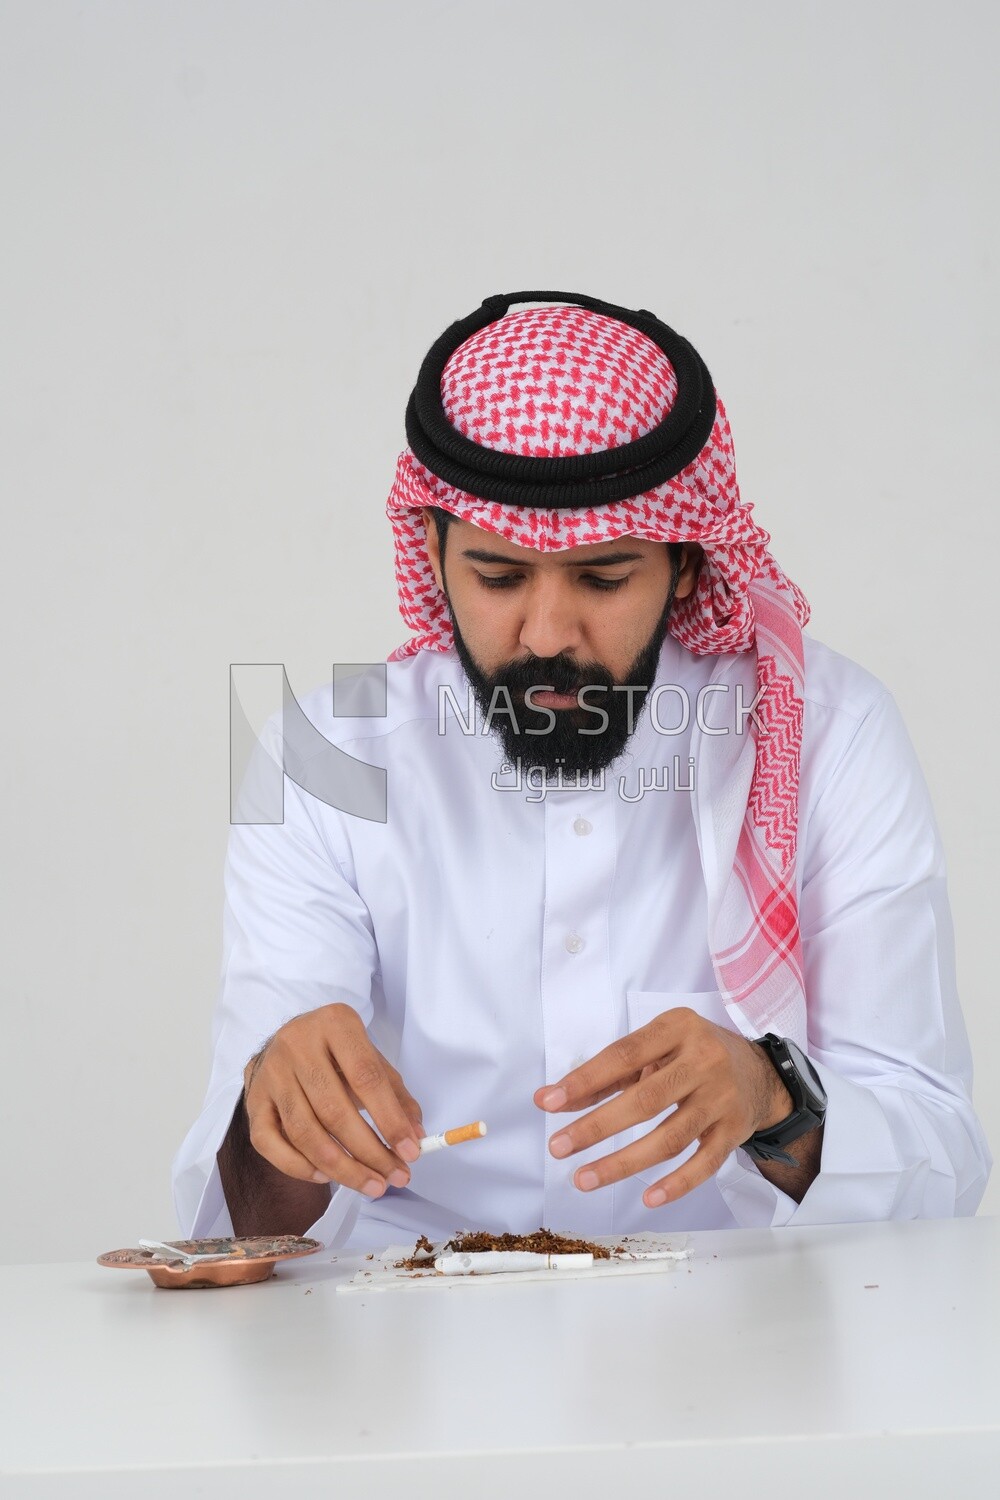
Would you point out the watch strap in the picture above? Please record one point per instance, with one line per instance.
(759, 1150)
(808, 1108)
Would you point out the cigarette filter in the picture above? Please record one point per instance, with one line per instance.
(454, 1137)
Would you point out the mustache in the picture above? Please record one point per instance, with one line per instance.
(555, 676)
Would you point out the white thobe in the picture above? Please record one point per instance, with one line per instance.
(492, 941)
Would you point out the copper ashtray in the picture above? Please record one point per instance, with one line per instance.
(240, 1261)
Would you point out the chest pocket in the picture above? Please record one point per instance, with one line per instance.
(643, 1006)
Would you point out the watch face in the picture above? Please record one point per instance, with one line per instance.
(808, 1100)
(810, 1078)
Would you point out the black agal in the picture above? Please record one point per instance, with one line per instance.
(578, 480)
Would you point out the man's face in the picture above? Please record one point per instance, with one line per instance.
(594, 615)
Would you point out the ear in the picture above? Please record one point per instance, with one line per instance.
(433, 546)
(691, 559)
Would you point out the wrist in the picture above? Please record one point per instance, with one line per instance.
(776, 1103)
(799, 1078)
(250, 1070)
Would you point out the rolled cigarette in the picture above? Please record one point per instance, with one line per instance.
(453, 1137)
(468, 1263)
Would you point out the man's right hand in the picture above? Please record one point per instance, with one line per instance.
(304, 1092)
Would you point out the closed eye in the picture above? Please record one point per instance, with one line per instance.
(508, 581)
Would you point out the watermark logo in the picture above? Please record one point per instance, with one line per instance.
(679, 775)
(260, 693)
(675, 701)
(271, 737)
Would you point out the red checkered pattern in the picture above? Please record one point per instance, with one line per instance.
(555, 383)
(558, 380)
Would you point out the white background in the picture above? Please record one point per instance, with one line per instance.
(231, 230)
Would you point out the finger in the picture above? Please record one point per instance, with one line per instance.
(411, 1108)
(668, 1139)
(410, 1105)
(371, 1080)
(270, 1142)
(624, 1110)
(337, 1115)
(714, 1149)
(653, 1091)
(333, 1137)
(329, 1132)
(562, 1098)
(577, 1104)
(609, 1070)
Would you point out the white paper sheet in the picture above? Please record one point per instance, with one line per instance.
(646, 1254)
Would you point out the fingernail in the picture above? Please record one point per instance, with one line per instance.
(407, 1149)
(373, 1188)
(560, 1145)
(398, 1178)
(320, 1177)
(587, 1180)
(654, 1197)
(554, 1099)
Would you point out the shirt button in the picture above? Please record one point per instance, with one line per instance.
(573, 942)
(582, 826)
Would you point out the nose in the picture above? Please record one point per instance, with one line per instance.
(551, 621)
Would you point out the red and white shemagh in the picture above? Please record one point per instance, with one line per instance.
(558, 380)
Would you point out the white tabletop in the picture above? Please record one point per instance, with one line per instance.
(820, 1362)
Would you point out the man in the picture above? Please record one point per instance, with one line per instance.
(670, 917)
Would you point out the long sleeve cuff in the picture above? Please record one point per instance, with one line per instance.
(199, 1201)
(887, 1154)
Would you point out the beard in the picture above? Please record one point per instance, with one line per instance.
(564, 746)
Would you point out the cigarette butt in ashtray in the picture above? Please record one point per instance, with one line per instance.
(455, 1137)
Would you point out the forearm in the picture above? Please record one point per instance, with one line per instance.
(796, 1181)
(262, 1200)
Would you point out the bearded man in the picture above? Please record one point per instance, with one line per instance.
(658, 891)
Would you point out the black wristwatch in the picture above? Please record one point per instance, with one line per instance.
(808, 1101)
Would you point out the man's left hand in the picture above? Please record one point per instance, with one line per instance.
(724, 1088)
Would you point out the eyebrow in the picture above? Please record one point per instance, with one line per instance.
(477, 554)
